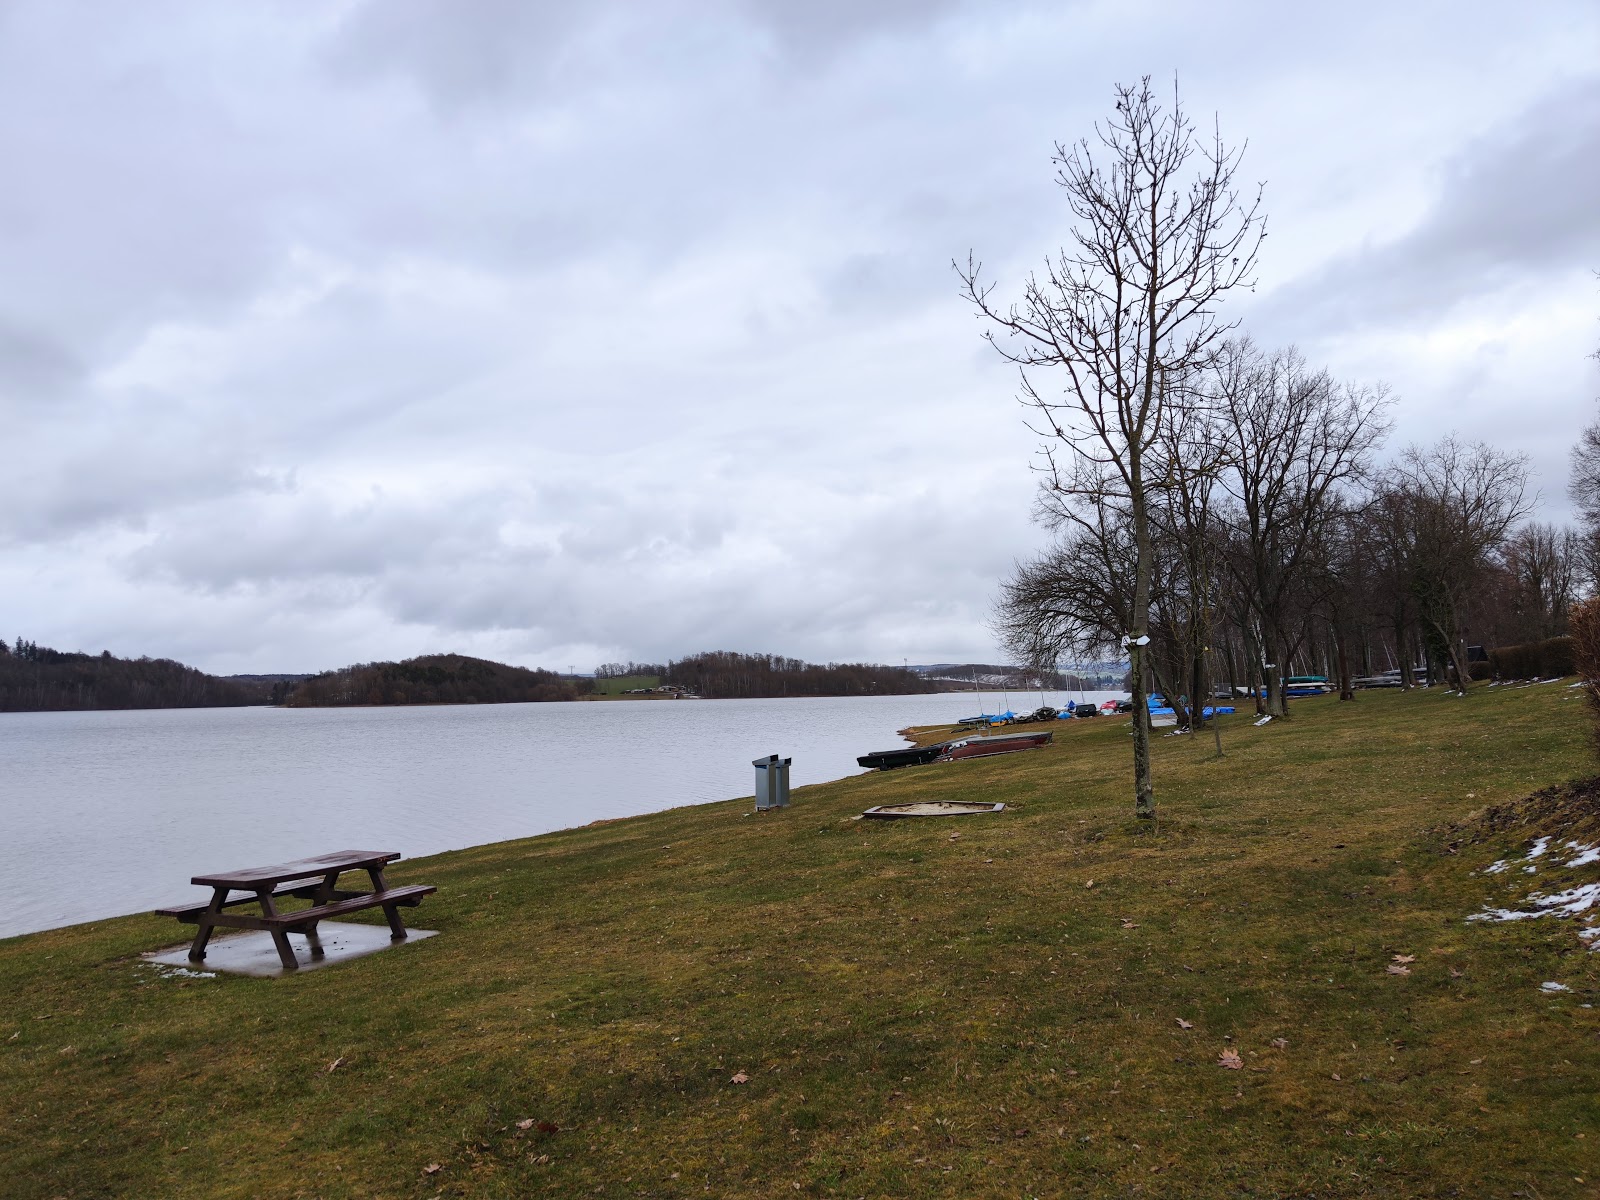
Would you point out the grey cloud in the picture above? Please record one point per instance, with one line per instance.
(818, 28)
(614, 330)
(33, 368)
(1515, 202)
(464, 52)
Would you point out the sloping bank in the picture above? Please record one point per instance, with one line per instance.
(1274, 988)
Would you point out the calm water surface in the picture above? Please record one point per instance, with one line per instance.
(104, 813)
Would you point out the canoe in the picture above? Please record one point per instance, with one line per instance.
(904, 756)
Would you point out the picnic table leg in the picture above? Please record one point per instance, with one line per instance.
(325, 892)
(202, 934)
(280, 939)
(397, 927)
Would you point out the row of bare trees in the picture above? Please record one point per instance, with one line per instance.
(1218, 510)
(1278, 541)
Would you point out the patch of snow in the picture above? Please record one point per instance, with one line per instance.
(1540, 845)
(1562, 904)
(1264, 720)
(1529, 870)
(186, 973)
(1495, 868)
(1586, 854)
(1578, 684)
(1553, 986)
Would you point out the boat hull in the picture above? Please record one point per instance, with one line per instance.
(983, 747)
(905, 756)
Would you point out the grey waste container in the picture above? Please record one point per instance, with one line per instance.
(772, 781)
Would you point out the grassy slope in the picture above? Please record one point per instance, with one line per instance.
(917, 1015)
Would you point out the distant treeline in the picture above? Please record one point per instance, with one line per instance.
(723, 674)
(35, 678)
(628, 670)
(431, 679)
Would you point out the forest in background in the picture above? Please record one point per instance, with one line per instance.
(35, 678)
(726, 675)
(432, 679)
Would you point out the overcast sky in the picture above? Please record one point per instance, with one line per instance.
(565, 333)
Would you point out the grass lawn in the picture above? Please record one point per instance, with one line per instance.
(616, 685)
(1028, 1004)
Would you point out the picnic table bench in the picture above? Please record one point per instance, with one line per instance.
(315, 879)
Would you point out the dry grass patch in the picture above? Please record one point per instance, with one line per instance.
(1041, 1005)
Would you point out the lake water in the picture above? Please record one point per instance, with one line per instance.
(103, 813)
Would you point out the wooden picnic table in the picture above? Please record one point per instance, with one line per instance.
(314, 879)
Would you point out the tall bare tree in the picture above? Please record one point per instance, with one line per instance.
(1115, 330)
(1295, 438)
(1454, 504)
(1541, 565)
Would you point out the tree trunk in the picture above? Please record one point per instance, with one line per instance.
(1144, 799)
(1272, 666)
(1347, 690)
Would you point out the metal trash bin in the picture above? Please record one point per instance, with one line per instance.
(772, 782)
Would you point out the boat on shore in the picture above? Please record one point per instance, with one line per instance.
(905, 756)
(1005, 743)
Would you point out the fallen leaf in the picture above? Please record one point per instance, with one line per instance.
(1088, 883)
(1127, 924)
(1397, 969)
(1337, 1079)
(1455, 974)
(1230, 1059)
(1280, 1043)
(988, 860)
(1182, 1024)
(335, 1065)
(1475, 1062)
(739, 1077)
(955, 837)
(525, 1124)
(433, 1168)
(548, 1127)
(1405, 958)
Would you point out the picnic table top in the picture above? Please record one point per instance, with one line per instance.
(257, 877)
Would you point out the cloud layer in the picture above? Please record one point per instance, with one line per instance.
(574, 333)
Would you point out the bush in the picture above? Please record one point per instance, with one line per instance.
(1534, 660)
(1584, 621)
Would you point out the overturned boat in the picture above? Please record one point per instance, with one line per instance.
(905, 756)
(1004, 743)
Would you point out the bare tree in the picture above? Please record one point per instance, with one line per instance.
(1113, 333)
(1583, 487)
(1295, 438)
(1075, 598)
(1452, 506)
(1541, 564)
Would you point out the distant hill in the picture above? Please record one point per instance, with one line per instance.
(431, 679)
(35, 678)
(724, 674)
(955, 677)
